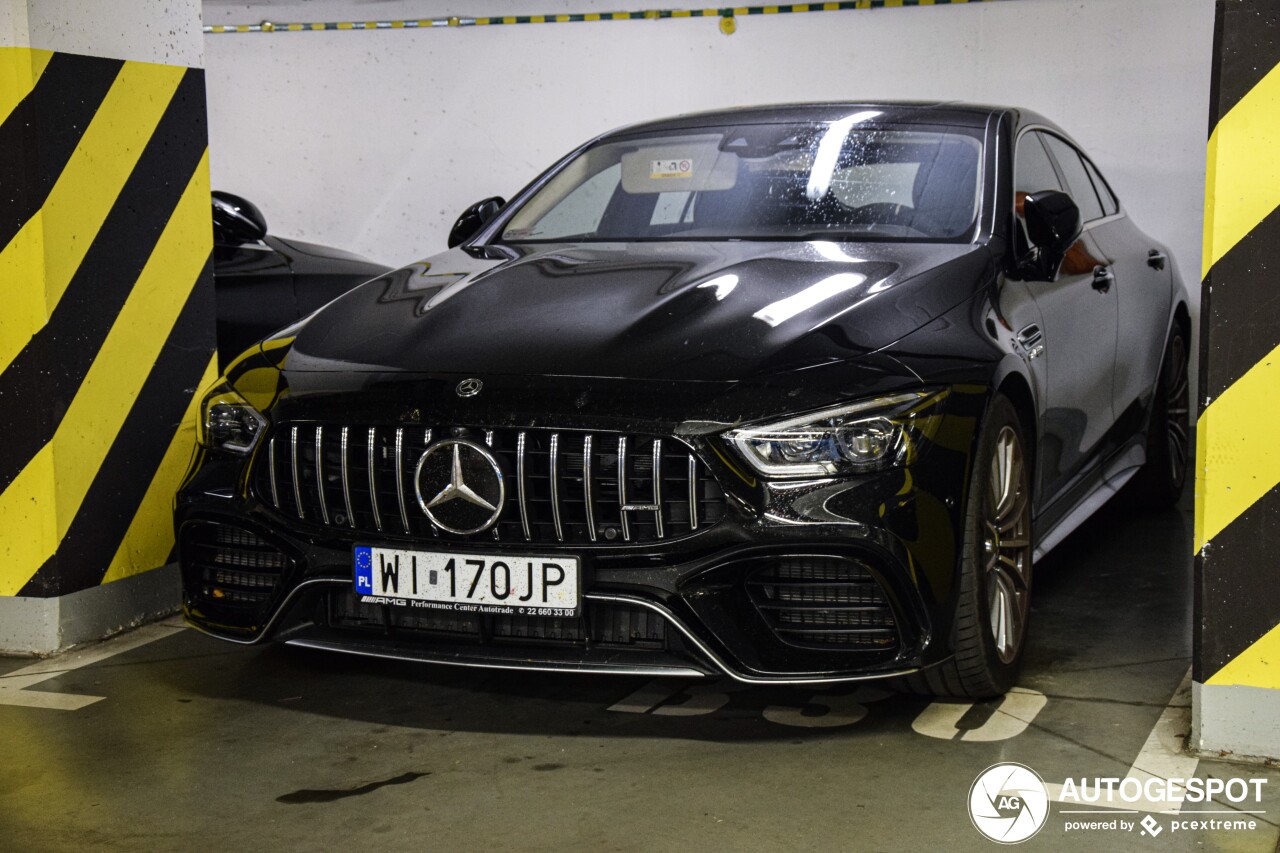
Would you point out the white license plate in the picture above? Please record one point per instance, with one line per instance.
(485, 583)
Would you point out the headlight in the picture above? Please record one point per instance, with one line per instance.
(228, 422)
(867, 436)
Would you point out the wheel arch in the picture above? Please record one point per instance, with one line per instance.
(1011, 382)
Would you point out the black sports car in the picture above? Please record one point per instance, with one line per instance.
(263, 282)
(792, 394)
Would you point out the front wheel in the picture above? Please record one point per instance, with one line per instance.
(993, 605)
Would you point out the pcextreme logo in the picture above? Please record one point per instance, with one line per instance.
(1008, 803)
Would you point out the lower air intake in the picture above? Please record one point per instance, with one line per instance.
(823, 602)
(235, 567)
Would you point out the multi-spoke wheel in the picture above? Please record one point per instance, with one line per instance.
(993, 602)
(1006, 545)
(1161, 480)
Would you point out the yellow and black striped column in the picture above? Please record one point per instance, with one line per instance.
(106, 312)
(1237, 631)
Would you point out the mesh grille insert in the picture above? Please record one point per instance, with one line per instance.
(234, 566)
(828, 602)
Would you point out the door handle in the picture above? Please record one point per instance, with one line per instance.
(1103, 278)
(1156, 259)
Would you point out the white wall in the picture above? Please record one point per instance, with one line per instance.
(143, 31)
(375, 141)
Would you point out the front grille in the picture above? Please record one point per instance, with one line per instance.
(569, 487)
(233, 566)
(602, 623)
(827, 602)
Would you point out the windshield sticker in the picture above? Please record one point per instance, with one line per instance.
(671, 168)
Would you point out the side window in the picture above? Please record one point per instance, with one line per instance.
(1032, 173)
(1079, 185)
(1109, 203)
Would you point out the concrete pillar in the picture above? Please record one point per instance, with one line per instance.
(106, 308)
(1237, 614)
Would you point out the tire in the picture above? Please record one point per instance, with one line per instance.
(995, 570)
(1160, 481)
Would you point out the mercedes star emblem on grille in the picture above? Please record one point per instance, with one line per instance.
(459, 486)
(469, 387)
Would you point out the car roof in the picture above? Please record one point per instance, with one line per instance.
(911, 112)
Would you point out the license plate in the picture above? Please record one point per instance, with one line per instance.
(484, 583)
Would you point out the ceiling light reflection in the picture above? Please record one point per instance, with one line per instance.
(723, 285)
(784, 309)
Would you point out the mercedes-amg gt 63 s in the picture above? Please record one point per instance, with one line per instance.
(789, 394)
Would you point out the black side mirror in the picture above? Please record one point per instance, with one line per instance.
(474, 218)
(1053, 225)
(237, 220)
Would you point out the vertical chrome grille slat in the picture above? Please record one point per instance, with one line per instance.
(622, 488)
(555, 485)
(297, 486)
(587, 487)
(346, 484)
(426, 442)
(373, 483)
(693, 492)
(324, 505)
(657, 486)
(404, 512)
(271, 469)
(524, 510)
(488, 440)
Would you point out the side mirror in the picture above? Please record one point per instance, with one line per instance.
(237, 220)
(1053, 225)
(474, 218)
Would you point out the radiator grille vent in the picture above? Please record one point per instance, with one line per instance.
(570, 487)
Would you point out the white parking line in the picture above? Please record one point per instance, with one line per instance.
(13, 686)
(1161, 757)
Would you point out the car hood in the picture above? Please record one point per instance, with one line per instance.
(313, 259)
(709, 311)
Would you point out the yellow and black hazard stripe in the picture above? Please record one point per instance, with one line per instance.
(106, 329)
(726, 14)
(1237, 527)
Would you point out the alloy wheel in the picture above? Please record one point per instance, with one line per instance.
(1006, 545)
(1178, 407)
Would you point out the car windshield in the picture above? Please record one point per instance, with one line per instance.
(848, 179)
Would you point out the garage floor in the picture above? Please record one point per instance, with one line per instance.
(197, 745)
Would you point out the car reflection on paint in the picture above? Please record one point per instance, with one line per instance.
(790, 394)
(263, 282)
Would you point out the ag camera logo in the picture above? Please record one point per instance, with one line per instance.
(1008, 803)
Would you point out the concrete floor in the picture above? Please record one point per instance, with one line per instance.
(198, 745)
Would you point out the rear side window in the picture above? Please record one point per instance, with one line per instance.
(1033, 172)
(1079, 185)
(1109, 203)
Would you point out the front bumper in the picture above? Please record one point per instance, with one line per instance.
(692, 605)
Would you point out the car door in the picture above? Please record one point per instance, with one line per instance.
(1143, 278)
(1078, 338)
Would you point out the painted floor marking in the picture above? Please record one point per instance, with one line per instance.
(1011, 717)
(14, 686)
(1161, 757)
